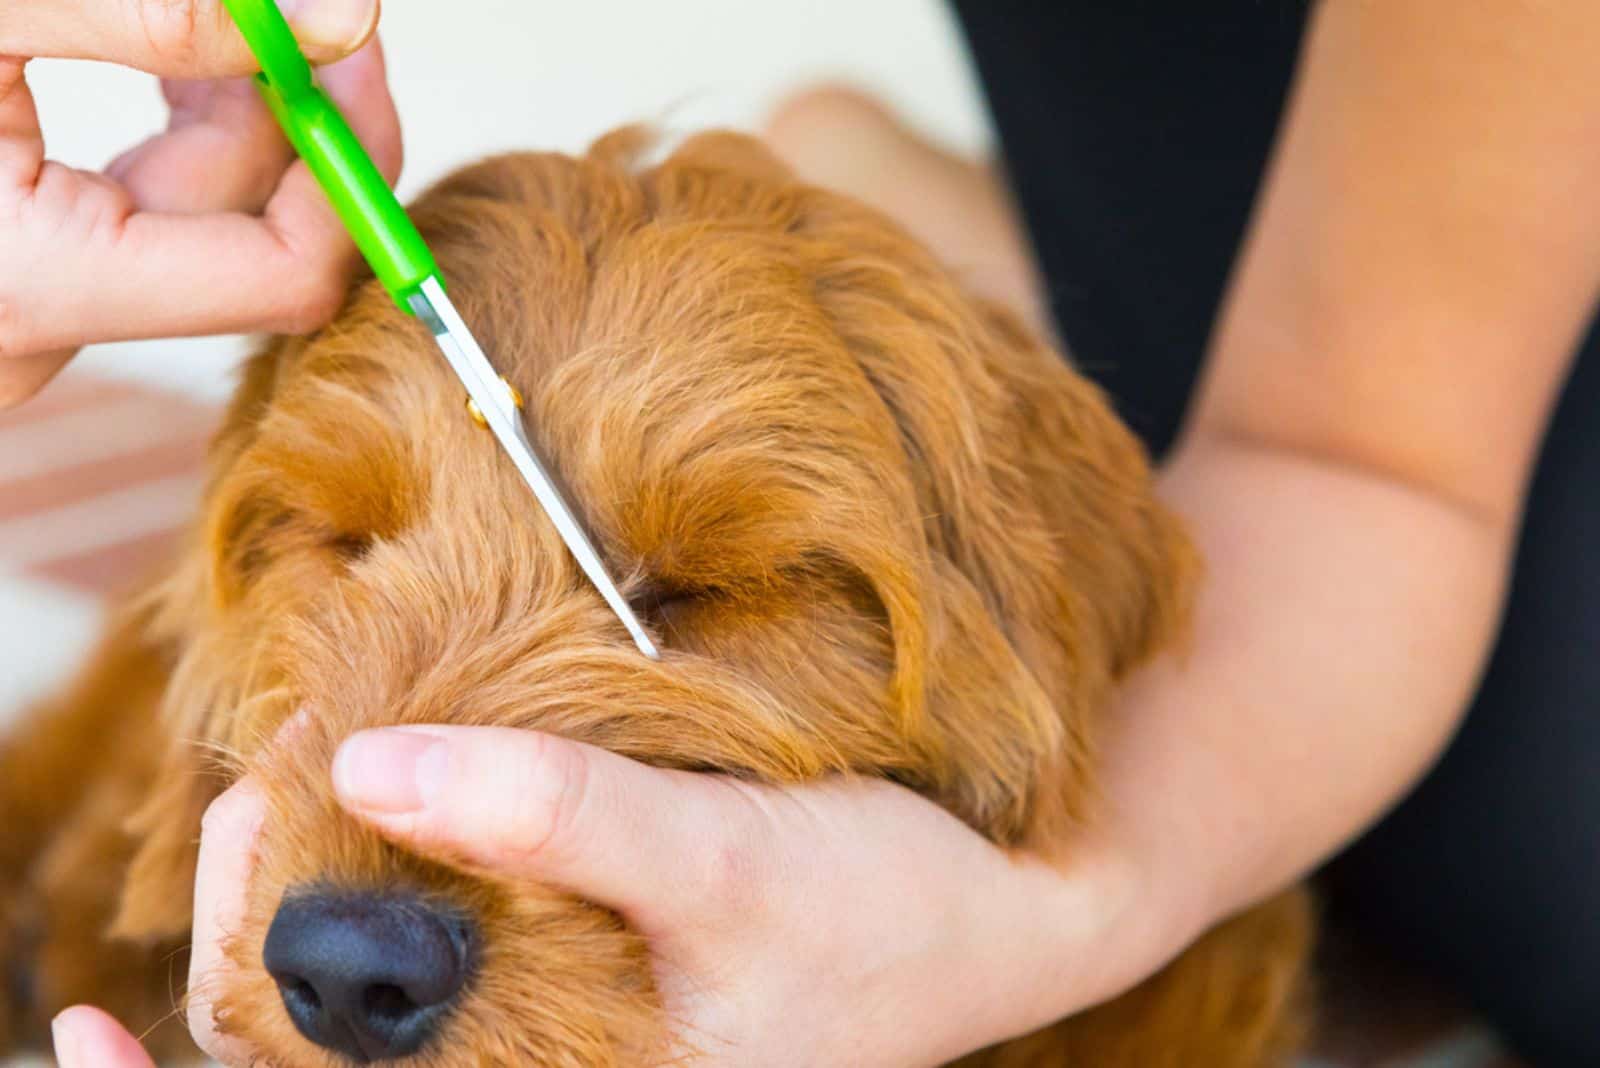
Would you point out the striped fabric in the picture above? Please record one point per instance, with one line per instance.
(97, 476)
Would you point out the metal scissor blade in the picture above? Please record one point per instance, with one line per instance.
(495, 403)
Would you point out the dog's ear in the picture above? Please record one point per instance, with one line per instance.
(1056, 568)
(157, 895)
(1125, 566)
(157, 902)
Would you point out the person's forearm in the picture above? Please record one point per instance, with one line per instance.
(1404, 310)
(1338, 634)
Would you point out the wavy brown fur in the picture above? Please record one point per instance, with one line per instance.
(878, 528)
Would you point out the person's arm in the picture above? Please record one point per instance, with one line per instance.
(1421, 266)
(207, 228)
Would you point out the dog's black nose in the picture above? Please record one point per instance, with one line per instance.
(367, 975)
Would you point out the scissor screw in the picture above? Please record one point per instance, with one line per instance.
(477, 415)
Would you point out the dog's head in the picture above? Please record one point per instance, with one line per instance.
(874, 526)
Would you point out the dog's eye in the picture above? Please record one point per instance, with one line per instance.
(663, 603)
(260, 536)
(350, 547)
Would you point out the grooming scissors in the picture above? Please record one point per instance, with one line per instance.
(401, 260)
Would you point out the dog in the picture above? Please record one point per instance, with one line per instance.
(878, 528)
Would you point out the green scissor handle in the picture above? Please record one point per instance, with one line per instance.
(381, 229)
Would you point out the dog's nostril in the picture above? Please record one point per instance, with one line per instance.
(301, 995)
(388, 1002)
(367, 975)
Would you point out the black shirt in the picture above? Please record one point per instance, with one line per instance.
(1136, 134)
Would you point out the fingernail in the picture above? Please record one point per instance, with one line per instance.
(65, 1043)
(335, 25)
(391, 771)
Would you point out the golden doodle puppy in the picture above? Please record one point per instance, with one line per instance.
(876, 526)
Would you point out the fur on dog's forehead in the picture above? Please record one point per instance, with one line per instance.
(670, 333)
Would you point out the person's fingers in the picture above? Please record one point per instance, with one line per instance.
(285, 272)
(175, 38)
(222, 151)
(101, 273)
(21, 141)
(21, 161)
(654, 844)
(85, 1037)
(227, 851)
(25, 376)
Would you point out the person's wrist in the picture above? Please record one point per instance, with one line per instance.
(1128, 922)
(1126, 894)
(1060, 935)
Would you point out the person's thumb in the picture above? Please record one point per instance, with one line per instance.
(176, 38)
(654, 844)
(86, 1037)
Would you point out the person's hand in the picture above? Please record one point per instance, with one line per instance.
(847, 922)
(86, 1037)
(208, 228)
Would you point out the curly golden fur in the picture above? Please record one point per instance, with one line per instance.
(878, 528)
